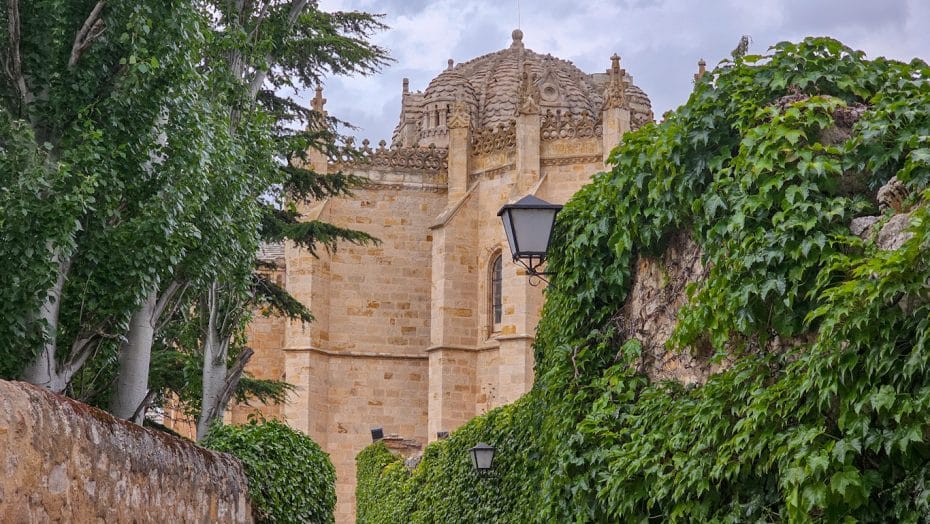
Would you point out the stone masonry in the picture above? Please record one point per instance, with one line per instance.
(63, 461)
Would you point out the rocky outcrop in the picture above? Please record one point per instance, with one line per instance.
(891, 234)
(62, 461)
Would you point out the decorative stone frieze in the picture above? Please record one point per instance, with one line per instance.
(497, 138)
(558, 125)
(430, 158)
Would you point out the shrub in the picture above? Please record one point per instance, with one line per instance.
(290, 478)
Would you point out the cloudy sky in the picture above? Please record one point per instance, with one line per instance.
(659, 41)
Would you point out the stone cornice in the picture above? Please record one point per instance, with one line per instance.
(507, 338)
(452, 347)
(357, 354)
(570, 160)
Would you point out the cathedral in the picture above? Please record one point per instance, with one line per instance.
(435, 324)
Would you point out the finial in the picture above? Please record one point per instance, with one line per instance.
(451, 63)
(318, 101)
(406, 86)
(615, 63)
(702, 70)
(517, 39)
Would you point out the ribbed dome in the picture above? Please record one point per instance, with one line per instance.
(449, 87)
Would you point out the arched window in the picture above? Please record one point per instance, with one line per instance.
(495, 304)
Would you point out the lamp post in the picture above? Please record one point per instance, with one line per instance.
(528, 224)
(482, 458)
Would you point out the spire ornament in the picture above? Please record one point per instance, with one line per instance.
(517, 36)
(529, 93)
(318, 101)
(459, 117)
(702, 70)
(615, 94)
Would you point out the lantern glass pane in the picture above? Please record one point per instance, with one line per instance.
(508, 228)
(483, 458)
(532, 228)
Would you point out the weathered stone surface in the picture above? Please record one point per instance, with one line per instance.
(63, 461)
(893, 234)
(892, 195)
(861, 226)
(650, 312)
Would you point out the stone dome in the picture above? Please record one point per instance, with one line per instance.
(451, 85)
(490, 87)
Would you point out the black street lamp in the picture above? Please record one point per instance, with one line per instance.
(482, 458)
(528, 224)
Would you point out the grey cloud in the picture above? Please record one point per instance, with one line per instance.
(660, 40)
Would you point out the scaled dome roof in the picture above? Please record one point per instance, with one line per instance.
(490, 86)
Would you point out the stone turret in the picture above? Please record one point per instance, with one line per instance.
(316, 158)
(616, 115)
(702, 70)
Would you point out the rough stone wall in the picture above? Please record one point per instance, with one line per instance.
(452, 389)
(63, 461)
(650, 312)
(565, 179)
(487, 376)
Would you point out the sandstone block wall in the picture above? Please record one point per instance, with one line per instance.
(364, 392)
(62, 461)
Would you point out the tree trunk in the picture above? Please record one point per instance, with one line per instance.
(44, 370)
(215, 347)
(135, 353)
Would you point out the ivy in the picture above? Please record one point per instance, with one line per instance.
(764, 167)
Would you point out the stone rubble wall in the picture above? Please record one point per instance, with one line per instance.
(63, 461)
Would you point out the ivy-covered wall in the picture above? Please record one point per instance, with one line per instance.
(821, 410)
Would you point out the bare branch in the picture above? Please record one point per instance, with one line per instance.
(91, 30)
(232, 380)
(297, 7)
(259, 18)
(138, 415)
(165, 298)
(81, 350)
(15, 67)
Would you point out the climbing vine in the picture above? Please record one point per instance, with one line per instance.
(821, 411)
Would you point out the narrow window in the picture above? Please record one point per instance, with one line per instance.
(496, 304)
